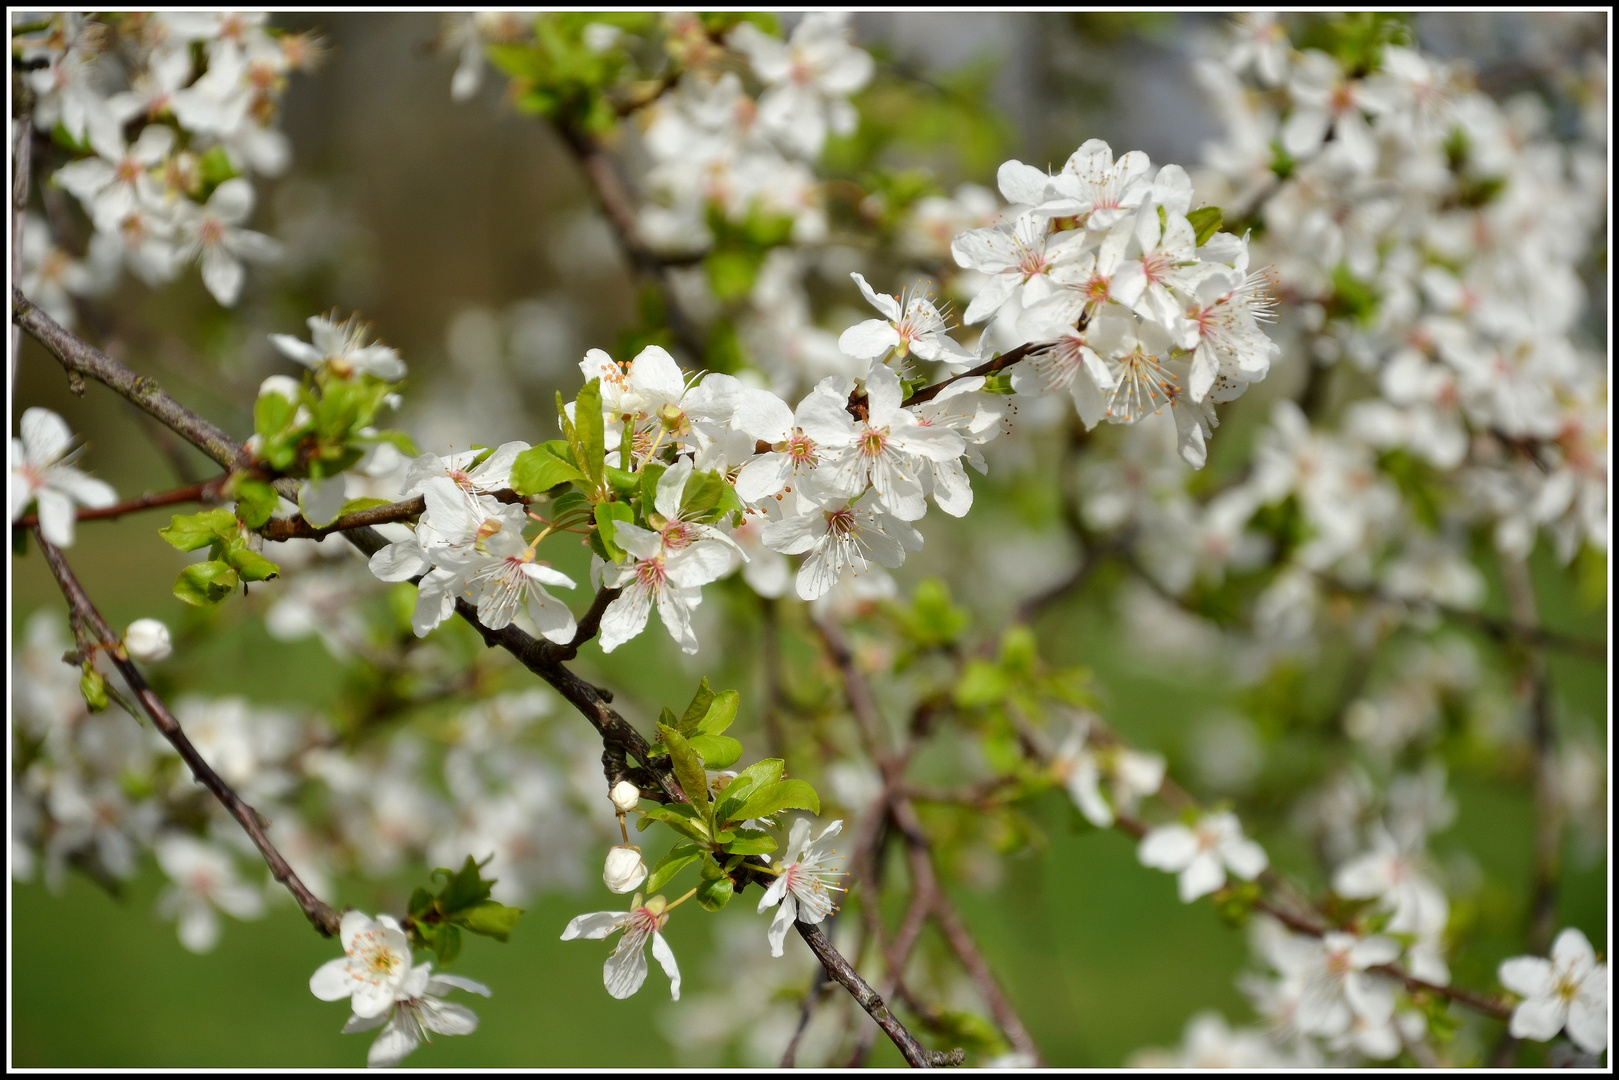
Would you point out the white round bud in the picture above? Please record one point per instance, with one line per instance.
(625, 796)
(147, 640)
(284, 385)
(625, 869)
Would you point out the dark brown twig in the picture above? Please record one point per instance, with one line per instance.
(1005, 360)
(321, 915)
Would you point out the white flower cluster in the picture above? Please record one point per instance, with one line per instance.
(170, 145)
(1432, 238)
(715, 145)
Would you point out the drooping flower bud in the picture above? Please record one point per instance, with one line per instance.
(147, 640)
(625, 869)
(625, 796)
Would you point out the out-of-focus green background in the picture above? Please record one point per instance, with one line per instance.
(416, 210)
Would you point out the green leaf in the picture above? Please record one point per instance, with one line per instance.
(587, 422)
(688, 768)
(715, 894)
(751, 842)
(702, 494)
(250, 564)
(272, 413)
(768, 799)
(188, 532)
(256, 501)
(444, 939)
(626, 485)
(982, 684)
(421, 901)
(681, 817)
(541, 468)
(94, 689)
(680, 856)
(1206, 221)
(717, 751)
(608, 514)
(216, 167)
(205, 583)
(651, 473)
(463, 888)
(698, 708)
(743, 784)
(490, 918)
(721, 712)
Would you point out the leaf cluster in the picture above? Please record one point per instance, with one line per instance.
(435, 921)
(231, 560)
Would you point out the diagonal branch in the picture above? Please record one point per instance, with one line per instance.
(1001, 362)
(323, 916)
(620, 739)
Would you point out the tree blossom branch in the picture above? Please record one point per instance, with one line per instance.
(22, 167)
(321, 915)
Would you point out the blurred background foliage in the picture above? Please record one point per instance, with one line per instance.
(468, 237)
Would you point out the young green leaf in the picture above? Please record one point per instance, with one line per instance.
(715, 894)
(1206, 220)
(490, 918)
(717, 751)
(587, 422)
(688, 768)
(698, 708)
(768, 799)
(541, 468)
(721, 712)
(206, 583)
(680, 856)
(751, 842)
(188, 532)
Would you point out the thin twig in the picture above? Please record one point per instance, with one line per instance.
(78, 356)
(843, 973)
(298, 528)
(321, 915)
(1518, 628)
(22, 164)
(1005, 360)
(206, 491)
(618, 203)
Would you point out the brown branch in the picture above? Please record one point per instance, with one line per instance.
(22, 164)
(321, 915)
(206, 491)
(299, 528)
(618, 203)
(77, 356)
(1519, 628)
(1005, 360)
(843, 973)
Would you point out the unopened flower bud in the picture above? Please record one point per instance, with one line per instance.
(625, 869)
(147, 640)
(625, 796)
(284, 385)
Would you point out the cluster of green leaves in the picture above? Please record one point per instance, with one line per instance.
(435, 921)
(1356, 40)
(740, 248)
(231, 562)
(710, 823)
(587, 492)
(1016, 684)
(555, 74)
(321, 433)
